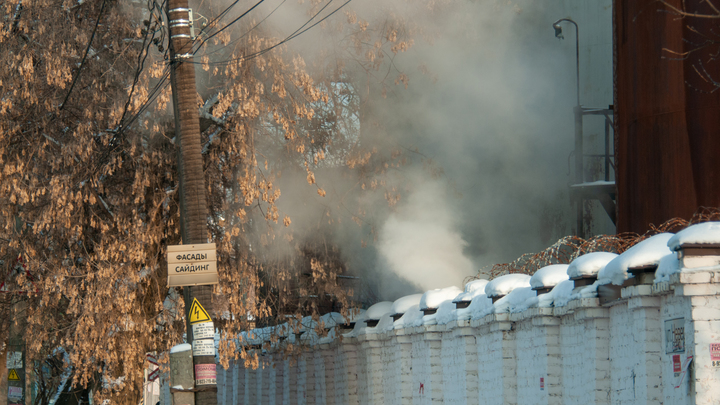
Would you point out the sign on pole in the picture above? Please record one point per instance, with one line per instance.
(192, 264)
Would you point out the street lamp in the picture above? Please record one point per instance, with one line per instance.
(559, 35)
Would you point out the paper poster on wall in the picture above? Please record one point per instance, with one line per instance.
(677, 368)
(203, 347)
(205, 374)
(14, 360)
(675, 335)
(715, 354)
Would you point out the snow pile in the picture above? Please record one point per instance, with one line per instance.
(411, 315)
(359, 327)
(549, 276)
(706, 233)
(472, 289)
(376, 311)
(504, 284)
(518, 300)
(433, 298)
(589, 264)
(386, 323)
(445, 313)
(645, 253)
(478, 305)
(669, 264)
(559, 296)
(401, 305)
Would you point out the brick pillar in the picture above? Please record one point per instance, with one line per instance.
(328, 353)
(701, 290)
(372, 372)
(348, 391)
(497, 378)
(585, 352)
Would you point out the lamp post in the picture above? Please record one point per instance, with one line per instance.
(559, 34)
(578, 110)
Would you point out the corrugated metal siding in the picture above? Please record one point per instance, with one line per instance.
(667, 130)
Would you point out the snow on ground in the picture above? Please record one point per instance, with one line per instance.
(669, 264)
(589, 264)
(645, 253)
(403, 304)
(701, 234)
(549, 276)
(433, 298)
(472, 289)
(504, 284)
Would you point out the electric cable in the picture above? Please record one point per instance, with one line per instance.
(87, 50)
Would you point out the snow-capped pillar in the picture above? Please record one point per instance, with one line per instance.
(699, 367)
(497, 378)
(539, 366)
(459, 364)
(585, 352)
(372, 367)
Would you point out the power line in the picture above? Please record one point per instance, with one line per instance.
(245, 34)
(82, 62)
(290, 37)
(229, 24)
(162, 84)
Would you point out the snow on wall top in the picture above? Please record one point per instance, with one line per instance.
(411, 314)
(433, 298)
(472, 289)
(705, 233)
(479, 304)
(515, 301)
(589, 264)
(549, 276)
(669, 264)
(378, 310)
(183, 347)
(645, 253)
(504, 284)
(403, 304)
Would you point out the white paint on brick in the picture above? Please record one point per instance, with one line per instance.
(586, 354)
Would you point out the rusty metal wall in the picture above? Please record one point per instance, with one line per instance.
(667, 118)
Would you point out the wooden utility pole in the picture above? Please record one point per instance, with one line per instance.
(193, 204)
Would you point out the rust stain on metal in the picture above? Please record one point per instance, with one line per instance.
(666, 117)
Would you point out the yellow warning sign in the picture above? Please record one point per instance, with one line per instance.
(13, 376)
(198, 313)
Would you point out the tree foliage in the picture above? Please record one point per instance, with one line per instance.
(88, 184)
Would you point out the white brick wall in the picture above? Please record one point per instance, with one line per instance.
(586, 354)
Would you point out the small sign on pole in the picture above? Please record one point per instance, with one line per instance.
(192, 264)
